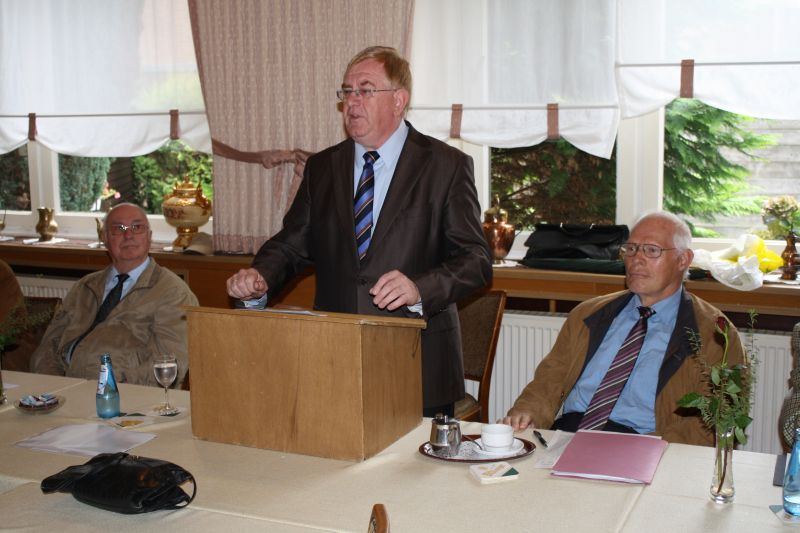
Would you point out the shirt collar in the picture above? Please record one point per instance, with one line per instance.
(661, 307)
(389, 151)
(134, 274)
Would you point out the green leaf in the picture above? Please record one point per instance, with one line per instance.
(733, 388)
(715, 375)
(691, 399)
(740, 436)
(743, 421)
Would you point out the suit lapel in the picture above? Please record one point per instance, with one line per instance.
(342, 174)
(410, 167)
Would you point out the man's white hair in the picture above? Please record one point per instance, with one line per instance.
(681, 235)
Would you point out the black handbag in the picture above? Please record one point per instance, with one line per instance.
(124, 483)
(576, 241)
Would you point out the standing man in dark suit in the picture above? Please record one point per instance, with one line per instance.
(390, 219)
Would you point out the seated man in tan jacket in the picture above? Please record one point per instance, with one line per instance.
(130, 310)
(622, 361)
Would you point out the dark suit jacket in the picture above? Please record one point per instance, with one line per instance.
(428, 229)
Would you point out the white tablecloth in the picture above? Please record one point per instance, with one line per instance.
(420, 493)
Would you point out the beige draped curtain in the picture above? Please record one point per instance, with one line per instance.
(269, 69)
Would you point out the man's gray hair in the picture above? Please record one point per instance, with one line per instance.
(105, 218)
(681, 234)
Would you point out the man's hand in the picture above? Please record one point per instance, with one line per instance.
(518, 421)
(393, 290)
(247, 284)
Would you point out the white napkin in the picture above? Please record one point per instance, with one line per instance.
(37, 241)
(85, 439)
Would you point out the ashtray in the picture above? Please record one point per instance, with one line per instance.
(39, 404)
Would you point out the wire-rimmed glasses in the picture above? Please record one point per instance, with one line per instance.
(651, 251)
(344, 94)
(121, 229)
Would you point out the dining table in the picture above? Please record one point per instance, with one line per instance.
(248, 489)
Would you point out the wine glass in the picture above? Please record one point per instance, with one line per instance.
(165, 368)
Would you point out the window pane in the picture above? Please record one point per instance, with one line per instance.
(15, 189)
(720, 168)
(554, 182)
(98, 183)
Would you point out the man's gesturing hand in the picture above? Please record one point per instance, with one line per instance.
(247, 284)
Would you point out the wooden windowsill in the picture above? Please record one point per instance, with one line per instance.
(206, 276)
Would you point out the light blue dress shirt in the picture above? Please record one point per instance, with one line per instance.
(635, 407)
(133, 277)
(383, 168)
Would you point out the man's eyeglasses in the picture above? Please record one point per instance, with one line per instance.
(121, 229)
(652, 251)
(344, 94)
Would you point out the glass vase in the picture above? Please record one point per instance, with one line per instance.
(722, 483)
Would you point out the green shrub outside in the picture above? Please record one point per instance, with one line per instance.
(15, 190)
(155, 175)
(82, 180)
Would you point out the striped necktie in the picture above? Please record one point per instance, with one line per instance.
(365, 193)
(607, 393)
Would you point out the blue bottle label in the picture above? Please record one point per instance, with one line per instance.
(103, 379)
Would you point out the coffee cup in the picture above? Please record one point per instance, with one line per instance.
(497, 437)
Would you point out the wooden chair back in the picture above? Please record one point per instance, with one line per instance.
(480, 317)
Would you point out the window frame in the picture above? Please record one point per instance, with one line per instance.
(640, 165)
(44, 187)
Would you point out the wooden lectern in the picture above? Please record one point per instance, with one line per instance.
(329, 385)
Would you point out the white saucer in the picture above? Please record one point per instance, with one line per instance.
(514, 450)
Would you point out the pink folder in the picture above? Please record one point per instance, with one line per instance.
(611, 456)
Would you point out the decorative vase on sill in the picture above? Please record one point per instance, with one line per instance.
(186, 209)
(498, 232)
(789, 256)
(47, 226)
(722, 490)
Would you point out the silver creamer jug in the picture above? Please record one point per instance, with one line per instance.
(445, 435)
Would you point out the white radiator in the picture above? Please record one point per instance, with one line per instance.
(45, 287)
(526, 337)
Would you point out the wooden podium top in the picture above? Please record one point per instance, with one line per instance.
(319, 316)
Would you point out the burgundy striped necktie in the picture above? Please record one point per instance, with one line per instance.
(365, 192)
(607, 393)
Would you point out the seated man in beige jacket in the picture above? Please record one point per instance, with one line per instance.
(622, 361)
(130, 310)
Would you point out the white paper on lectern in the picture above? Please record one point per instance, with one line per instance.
(85, 439)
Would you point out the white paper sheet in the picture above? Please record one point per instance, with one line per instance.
(556, 446)
(85, 439)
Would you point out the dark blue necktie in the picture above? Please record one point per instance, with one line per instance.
(110, 302)
(365, 193)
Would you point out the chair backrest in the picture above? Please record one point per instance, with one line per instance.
(379, 520)
(480, 316)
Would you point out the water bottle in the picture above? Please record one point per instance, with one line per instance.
(107, 391)
(791, 482)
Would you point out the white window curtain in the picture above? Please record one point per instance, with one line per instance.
(100, 75)
(746, 54)
(505, 60)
